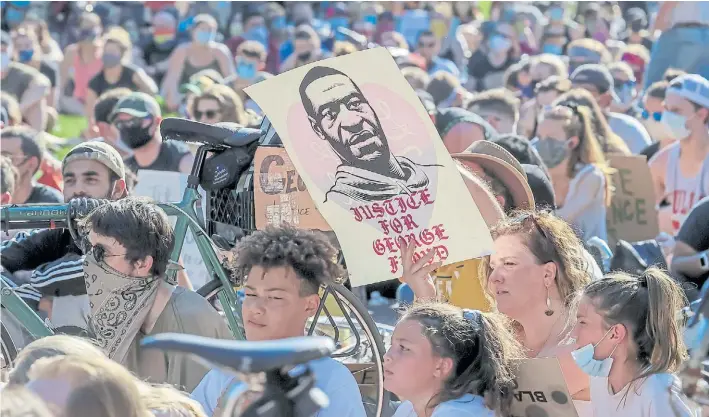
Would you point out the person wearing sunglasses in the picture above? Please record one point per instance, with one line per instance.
(219, 103)
(429, 46)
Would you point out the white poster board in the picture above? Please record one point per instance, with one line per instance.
(166, 187)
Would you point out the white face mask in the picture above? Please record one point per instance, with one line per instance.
(677, 124)
(593, 367)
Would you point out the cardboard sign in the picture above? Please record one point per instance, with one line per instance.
(373, 163)
(280, 195)
(632, 215)
(541, 390)
(166, 187)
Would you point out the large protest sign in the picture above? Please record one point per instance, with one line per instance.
(280, 195)
(632, 215)
(167, 187)
(540, 390)
(373, 163)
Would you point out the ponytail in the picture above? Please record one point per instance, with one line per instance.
(647, 307)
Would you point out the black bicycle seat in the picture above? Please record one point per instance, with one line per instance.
(221, 134)
(244, 356)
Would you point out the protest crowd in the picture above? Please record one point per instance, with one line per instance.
(579, 129)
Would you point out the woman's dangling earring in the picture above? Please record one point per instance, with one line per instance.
(548, 311)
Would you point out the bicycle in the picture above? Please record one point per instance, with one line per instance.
(230, 210)
(263, 367)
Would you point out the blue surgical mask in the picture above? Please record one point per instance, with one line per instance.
(25, 55)
(246, 70)
(279, 23)
(500, 43)
(556, 13)
(677, 124)
(590, 366)
(204, 36)
(552, 49)
(527, 91)
(625, 93)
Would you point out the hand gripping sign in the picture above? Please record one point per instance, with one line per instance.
(373, 163)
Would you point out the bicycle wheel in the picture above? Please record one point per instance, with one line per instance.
(334, 318)
(8, 351)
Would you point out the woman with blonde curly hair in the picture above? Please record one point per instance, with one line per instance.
(532, 277)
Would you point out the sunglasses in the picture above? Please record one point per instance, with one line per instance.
(98, 251)
(533, 217)
(427, 45)
(127, 123)
(210, 114)
(656, 116)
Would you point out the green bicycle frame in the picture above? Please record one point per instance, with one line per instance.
(43, 216)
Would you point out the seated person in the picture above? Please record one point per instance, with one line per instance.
(283, 270)
(25, 148)
(128, 244)
(499, 107)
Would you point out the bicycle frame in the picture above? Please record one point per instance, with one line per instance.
(43, 216)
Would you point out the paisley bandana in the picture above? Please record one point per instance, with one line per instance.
(119, 305)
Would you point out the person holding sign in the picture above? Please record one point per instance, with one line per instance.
(680, 171)
(580, 175)
(448, 362)
(630, 344)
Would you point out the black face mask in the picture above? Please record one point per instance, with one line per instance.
(135, 136)
(304, 56)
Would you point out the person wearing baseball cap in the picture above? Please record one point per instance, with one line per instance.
(680, 172)
(95, 170)
(137, 117)
(597, 79)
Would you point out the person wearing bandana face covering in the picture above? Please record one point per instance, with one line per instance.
(630, 344)
(127, 245)
(203, 52)
(137, 118)
(82, 61)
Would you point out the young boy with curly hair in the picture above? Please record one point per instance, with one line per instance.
(282, 270)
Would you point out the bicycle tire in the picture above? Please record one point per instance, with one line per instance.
(8, 349)
(210, 290)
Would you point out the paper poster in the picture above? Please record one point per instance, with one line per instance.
(280, 195)
(632, 215)
(540, 390)
(168, 187)
(373, 163)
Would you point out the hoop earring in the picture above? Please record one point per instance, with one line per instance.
(549, 312)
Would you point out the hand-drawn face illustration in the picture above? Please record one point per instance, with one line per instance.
(339, 113)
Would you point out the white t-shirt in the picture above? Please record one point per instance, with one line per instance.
(332, 377)
(652, 398)
(466, 406)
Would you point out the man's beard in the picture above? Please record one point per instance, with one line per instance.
(108, 196)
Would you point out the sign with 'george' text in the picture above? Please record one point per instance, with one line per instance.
(373, 163)
(632, 215)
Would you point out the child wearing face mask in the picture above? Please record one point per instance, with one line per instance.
(446, 362)
(631, 344)
(582, 180)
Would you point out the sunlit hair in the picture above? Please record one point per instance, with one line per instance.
(609, 141)
(100, 387)
(555, 62)
(647, 307)
(165, 400)
(577, 123)
(18, 401)
(47, 347)
(483, 349)
(549, 239)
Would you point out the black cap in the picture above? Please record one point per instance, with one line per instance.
(596, 75)
(541, 187)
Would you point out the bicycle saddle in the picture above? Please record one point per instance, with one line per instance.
(244, 356)
(221, 134)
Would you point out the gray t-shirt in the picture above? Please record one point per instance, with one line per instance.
(630, 130)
